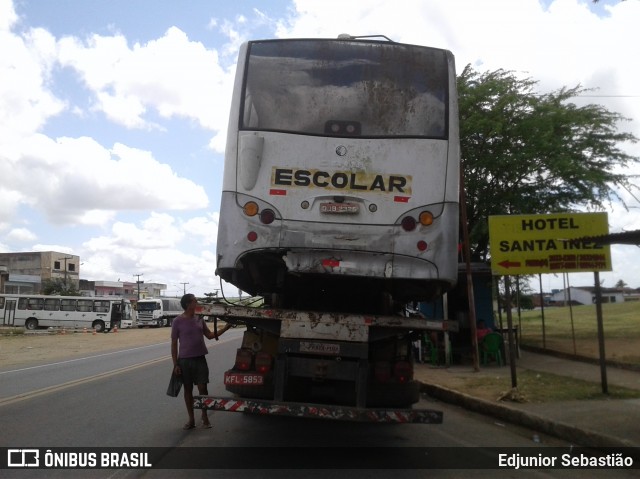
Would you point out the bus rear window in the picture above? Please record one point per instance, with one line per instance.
(318, 87)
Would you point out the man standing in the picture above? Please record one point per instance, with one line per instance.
(189, 330)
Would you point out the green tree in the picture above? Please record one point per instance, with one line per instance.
(58, 286)
(526, 153)
(621, 285)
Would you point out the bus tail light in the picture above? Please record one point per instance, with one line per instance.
(250, 208)
(252, 236)
(267, 216)
(422, 245)
(243, 360)
(263, 362)
(426, 218)
(408, 223)
(403, 372)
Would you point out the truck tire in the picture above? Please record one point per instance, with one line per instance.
(31, 324)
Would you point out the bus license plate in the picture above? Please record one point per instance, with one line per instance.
(243, 379)
(319, 348)
(339, 208)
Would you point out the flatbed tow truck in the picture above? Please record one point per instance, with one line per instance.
(282, 349)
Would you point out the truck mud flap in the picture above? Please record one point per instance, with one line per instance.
(318, 411)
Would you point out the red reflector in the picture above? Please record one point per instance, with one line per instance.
(422, 245)
(252, 236)
(401, 199)
(330, 263)
(278, 192)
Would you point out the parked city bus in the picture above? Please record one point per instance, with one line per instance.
(69, 312)
(341, 176)
(158, 311)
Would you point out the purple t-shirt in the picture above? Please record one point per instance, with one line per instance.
(190, 335)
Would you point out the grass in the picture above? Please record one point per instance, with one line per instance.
(11, 331)
(574, 330)
(539, 387)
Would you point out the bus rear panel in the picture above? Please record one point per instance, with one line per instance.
(341, 174)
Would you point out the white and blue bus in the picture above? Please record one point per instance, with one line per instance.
(341, 178)
(33, 311)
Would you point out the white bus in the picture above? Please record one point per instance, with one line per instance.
(158, 311)
(341, 176)
(72, 312)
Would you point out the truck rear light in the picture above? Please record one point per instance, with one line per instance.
(402, 371)
(252, 236)
(263, 362)
(382, 371)
(408, 223)
(243, 360)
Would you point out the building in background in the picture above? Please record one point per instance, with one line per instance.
(126, 289)
(586, 295)
(24, 273)
(27, 270)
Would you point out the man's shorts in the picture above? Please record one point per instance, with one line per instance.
(194, 370)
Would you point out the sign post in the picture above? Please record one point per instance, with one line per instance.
(553, 243)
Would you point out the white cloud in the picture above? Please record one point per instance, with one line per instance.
(25, 101)
(173, 76)
(8, 16)
(20, 235)
(154, 250)
(77, 180)
(204, 227)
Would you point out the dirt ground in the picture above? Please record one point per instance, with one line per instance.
(27, 349)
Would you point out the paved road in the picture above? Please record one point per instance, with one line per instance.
(130, 409)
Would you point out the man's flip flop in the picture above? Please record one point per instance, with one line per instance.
(188, 426)
(206, 425)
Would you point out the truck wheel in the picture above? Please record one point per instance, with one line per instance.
(31, 324)
(98, 326)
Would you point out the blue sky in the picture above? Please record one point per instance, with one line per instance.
(113, 114)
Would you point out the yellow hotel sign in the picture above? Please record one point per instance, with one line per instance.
(530, 244)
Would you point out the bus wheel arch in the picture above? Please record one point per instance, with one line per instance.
(31, 324)
(98, 326)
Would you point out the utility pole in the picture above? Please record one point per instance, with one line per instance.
(65, 269)
(184, 288)
(138, 283)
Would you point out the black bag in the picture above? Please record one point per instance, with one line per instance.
(174, 385)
